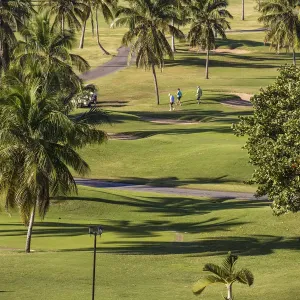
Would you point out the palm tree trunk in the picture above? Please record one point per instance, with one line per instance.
(294, 57)
(82, 34)
(62, 24)
(97, 32)
(29, 231)
(173, 39)
(207, 62)
(243, 10)
(155, 83)
(229, 292)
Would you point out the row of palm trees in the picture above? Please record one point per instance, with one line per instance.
(38, 138)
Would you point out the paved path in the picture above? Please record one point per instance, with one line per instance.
(119, 62)
(165, 190)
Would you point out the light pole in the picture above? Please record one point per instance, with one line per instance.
(95, 230)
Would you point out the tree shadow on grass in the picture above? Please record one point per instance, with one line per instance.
(251, 245)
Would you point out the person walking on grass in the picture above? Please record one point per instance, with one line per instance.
(198, 94)
(179, 95)
(172, 101)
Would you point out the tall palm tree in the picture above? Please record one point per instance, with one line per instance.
(181, 8)
(281, 17)
(243, 10)
(225, 274)
(49, 49)
(38, 144)
(66, 12)
(148, 21)
(94, 7)
(208, 19)
(13, 14)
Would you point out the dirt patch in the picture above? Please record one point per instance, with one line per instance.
(122, 136)
(169, 121)
(239, 99)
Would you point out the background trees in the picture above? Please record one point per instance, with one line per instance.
(148, 21)
(13, 15)
(273, 142)
(208, 19)
(281, 17)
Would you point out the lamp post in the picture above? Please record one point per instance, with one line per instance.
(95, 230)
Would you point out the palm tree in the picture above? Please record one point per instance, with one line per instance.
(243, 10)
(180, 7)
(208, 19)
(13, 14)
(106, 8)
(70, 12)
(38, 145)
(49, 49)
(148, 21)
(281, 17)
(225, 274)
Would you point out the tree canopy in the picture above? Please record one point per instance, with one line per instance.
(274, 141)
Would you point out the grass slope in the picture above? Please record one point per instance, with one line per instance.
(153, 247)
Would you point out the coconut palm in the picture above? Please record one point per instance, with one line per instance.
(48, 50)
(281, 17)
(148, 21)
(13, 14)
(66, 12)
(38, 146)
(94, 7)
(181, 9)
(225, 274)
(208, 19)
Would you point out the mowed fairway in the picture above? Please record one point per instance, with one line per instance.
(153, 247)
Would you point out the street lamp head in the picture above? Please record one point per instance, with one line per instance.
(96, 230)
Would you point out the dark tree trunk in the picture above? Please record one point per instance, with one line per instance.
(243, 10)
(294, 57)
(29, 231)
(155, 83)
(173, 39)
(97, 33)
(207, 62)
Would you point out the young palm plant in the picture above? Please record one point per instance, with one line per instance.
(281, 17)
(208, 19)
(13, 15)
(148, 21)
(38, 145)
(66, 12)
(225, 274)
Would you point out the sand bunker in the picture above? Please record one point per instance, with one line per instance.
(169, 121)
(240, 99)
(222, 51)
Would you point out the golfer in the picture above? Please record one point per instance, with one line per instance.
(198, 93)
(172, 101)
(179, 95)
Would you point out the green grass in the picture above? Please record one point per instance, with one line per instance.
(153, 247)
(205, 155)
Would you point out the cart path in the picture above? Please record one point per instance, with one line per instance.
(117, 63)
(96, 183)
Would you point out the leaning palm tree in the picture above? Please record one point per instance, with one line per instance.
(13, 15)
(38, 144)
(225, 274)
(148, 21)
(94, 7)
(66, 12)
(281, 17)
(49, 49)
(208, 19)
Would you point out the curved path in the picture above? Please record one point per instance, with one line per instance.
(165, 190)
(118, 63)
